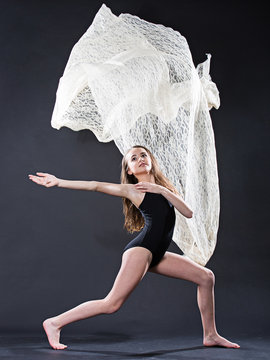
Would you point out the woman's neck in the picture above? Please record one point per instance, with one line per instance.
(146, 177)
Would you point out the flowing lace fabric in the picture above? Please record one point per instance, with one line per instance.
(134, 82)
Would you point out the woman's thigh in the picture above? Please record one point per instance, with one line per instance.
(180, 267)
(135, 263)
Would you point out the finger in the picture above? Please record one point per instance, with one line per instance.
(37, 181)
(31, 177)
(35, 177)
(41, 173)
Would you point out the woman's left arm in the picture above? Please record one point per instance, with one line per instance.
(176, 200)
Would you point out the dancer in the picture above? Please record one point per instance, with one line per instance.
(149, 198)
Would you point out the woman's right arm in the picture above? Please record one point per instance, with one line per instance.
(122, 190)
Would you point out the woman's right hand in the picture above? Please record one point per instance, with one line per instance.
(44, 179)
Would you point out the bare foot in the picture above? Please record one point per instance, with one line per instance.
(217, 340)
(53, 334)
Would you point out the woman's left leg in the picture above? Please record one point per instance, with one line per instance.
(180, 267)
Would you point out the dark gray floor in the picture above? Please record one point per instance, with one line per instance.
(122, 346)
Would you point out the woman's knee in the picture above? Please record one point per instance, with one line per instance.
(208, 278)
(111, 306)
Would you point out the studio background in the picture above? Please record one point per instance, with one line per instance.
(61, 247)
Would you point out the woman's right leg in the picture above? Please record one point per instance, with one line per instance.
(135, 263)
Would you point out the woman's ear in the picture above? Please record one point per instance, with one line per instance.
(127, 170)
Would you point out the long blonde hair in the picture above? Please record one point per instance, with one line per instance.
(134, 220)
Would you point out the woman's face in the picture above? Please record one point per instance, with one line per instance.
(139, 161)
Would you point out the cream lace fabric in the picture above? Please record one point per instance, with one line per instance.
(134, 82)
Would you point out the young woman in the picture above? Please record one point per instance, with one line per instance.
(149, 199)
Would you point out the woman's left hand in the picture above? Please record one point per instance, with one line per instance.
(145, 186)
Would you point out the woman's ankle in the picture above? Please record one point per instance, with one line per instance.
(52, 322)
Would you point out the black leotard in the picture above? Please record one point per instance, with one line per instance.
(159, 219)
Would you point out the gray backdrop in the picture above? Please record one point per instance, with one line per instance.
(61, 247)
